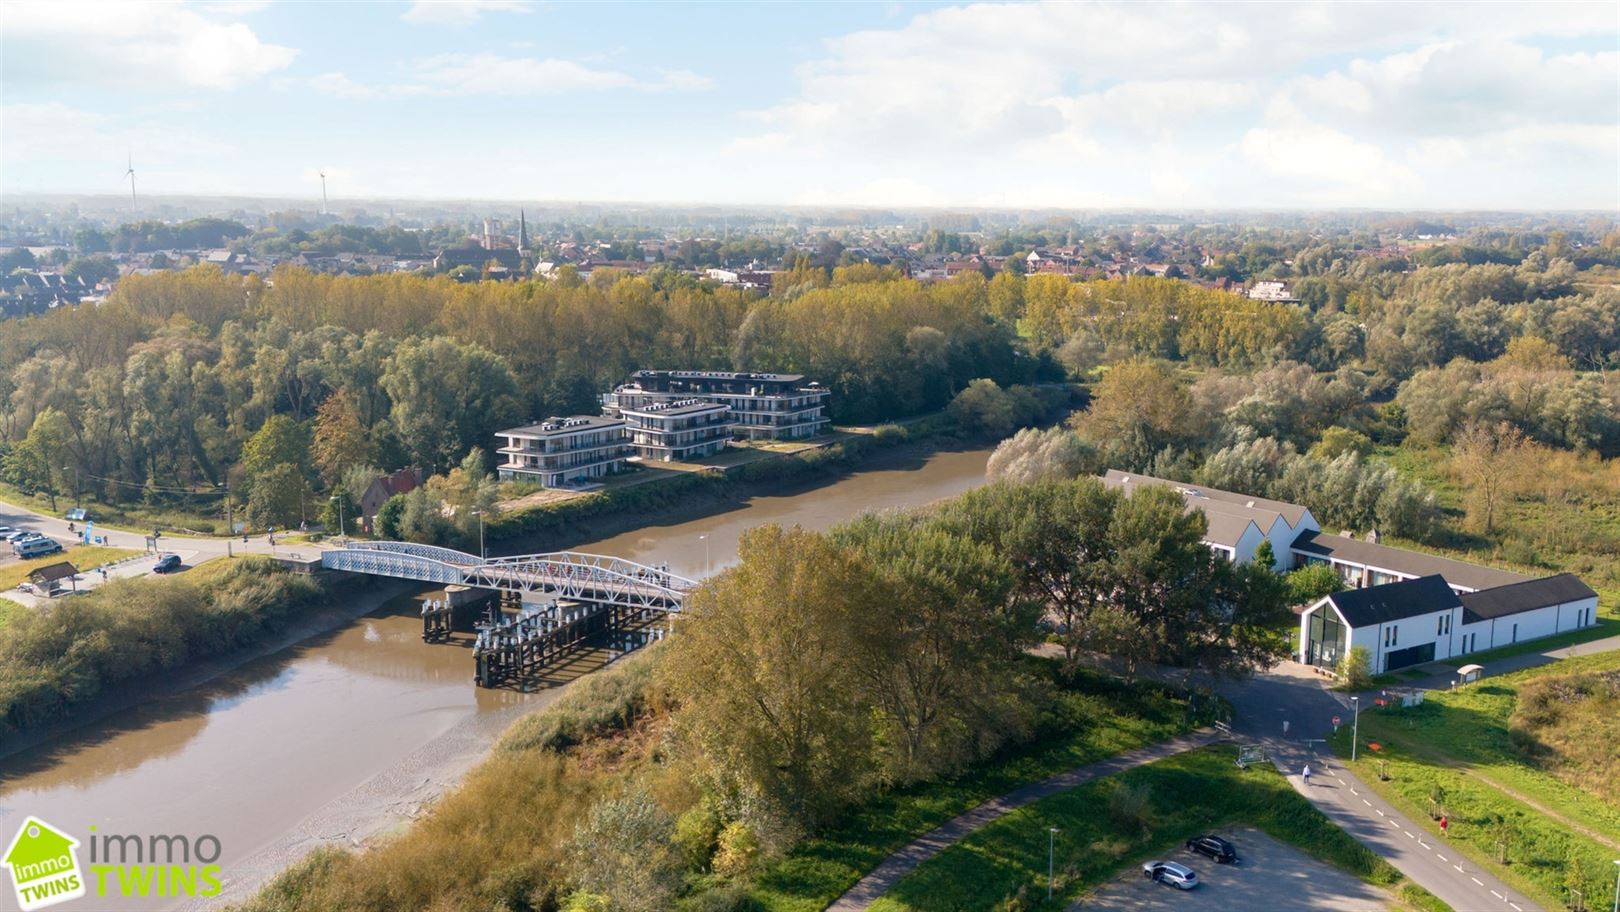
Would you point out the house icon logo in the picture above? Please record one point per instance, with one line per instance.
(44, 865)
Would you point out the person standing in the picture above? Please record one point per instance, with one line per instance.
(1307, 774)
(1445, 822)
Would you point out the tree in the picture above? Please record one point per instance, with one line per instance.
(1490, 459)
(279, 498)
(936, 651)
(448, 397)
(1138, 408)
(1336, 441)
(342, 511)
(390, 518)
(280, 441)
(984, 408)
(759, 667)
(340, 438)
(1043, 454)
(1355, 668)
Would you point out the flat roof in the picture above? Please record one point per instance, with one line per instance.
(552, 427)
(1526, 596)
(1400, 560)
(678, 407)
(720, 375)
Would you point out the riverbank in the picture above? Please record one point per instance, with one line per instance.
(699, 496)
(363, 597)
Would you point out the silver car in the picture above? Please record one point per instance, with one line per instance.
(1179, 876)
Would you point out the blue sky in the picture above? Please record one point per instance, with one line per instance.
(1075, 104)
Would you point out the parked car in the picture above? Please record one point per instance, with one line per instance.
(17, 535)
(36, 547)
(1218, 849)
(1179, 876)
(168, 563)
(6, 530)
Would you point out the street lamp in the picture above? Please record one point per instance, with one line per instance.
(1355, 726)
(1051, 851)
(705, 540)
(480, 515)
(1617, 887)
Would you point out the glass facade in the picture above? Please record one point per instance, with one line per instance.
(1325, 638)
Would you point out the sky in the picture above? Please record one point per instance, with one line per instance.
(1072, 105)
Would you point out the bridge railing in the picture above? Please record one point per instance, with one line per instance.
(431, 552)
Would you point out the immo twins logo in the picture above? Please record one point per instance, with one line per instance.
(44, 866)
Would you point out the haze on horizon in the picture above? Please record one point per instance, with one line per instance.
(1081, 105)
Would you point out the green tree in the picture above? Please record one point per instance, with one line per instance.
(759, 666)
(447, 398)
(341, 512)
(391, 517)
(280, 498)
(280, 441)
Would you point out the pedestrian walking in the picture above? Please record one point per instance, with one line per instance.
(1444, 823)
(1307, 774)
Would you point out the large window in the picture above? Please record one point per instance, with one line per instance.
(1325, 639)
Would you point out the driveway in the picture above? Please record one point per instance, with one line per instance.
(1273, 876)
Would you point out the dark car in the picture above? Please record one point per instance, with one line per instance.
(1218, 849)
(168, 563)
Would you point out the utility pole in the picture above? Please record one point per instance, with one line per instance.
(339, 501)
(480, 515)
(705, 540)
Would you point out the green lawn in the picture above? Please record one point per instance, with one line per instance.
(1099, 718)
(85, 557)
(205, 515)
(7, 609)
(1185, 794)
(1461, 741)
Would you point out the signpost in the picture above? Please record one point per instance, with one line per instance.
(1335, 725)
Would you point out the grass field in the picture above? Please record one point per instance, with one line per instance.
(1110, 823)
(205, 516)
(7, 609)
(1540, 783)
(85, 557)
(1102, 717)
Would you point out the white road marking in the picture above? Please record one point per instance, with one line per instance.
(1380, 813)
(1354, 792)
(1441, 857)
(1497, 895)
(1476, 880)
(1408, 834)
(1366, 802)
(1458, 867)
(1515, 905)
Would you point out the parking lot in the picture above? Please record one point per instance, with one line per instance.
(1272, 876)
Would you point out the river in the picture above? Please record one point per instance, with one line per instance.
(300, 746)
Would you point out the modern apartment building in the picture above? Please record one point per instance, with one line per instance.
(560, 451)
(763, 406)
(678, 429)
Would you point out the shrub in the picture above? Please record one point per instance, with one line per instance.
(609, 700)
(724, 898)
(697, 834)
(1355, 669)
(738, 850)
(1130, 807)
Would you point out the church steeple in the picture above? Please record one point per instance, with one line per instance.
(523, 234)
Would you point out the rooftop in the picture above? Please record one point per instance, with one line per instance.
(1394, 601)
(1400, 560)
(676, 407)
(557, 426)
(1289, 511)
(1526, 596)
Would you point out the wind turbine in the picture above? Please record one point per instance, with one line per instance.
(323, 192)
(131, 175)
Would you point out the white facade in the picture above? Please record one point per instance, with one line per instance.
(562, 451)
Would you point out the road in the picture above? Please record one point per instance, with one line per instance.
(203, 548)
(1289, 693)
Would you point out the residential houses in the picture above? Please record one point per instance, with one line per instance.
(678, 430)
(764, 406)
(383, 487)
(560, 452)
(1406, 607)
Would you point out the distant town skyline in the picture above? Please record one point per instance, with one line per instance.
(1082, 105)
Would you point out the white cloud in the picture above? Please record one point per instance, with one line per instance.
(134, 45)
(1205, 101)
(459, 12)
(492, 74)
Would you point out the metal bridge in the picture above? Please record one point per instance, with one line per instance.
(565, 574)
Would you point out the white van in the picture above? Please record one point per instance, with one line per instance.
(36, 547)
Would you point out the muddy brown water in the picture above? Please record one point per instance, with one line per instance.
(254, 753)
